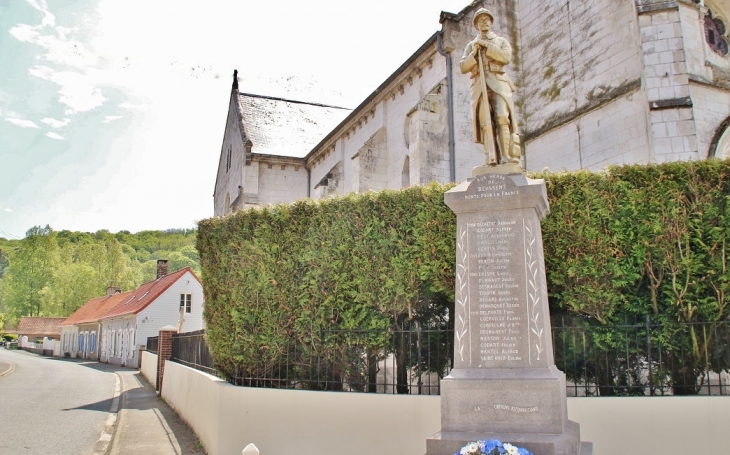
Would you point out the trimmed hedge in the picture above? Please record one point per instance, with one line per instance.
(629, 241)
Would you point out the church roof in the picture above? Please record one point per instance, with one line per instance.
(282, 127)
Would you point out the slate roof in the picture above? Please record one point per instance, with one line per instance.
(277, 126)
(40, 326)
(130, 302)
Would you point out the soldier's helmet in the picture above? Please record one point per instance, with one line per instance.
(482, 12)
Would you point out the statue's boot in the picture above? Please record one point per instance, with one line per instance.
(516, 151)
(505, 141)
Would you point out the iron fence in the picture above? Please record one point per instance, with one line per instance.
(191, 349)
(641, 358)
(152, 343)
(395, 361)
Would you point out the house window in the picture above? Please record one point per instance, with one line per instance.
(92, 342)
(186, 301)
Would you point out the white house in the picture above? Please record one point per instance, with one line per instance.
(112, 328)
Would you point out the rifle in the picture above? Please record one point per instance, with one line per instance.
(488, 141)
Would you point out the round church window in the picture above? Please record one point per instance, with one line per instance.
(716, 34)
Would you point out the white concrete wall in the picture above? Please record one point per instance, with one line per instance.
(226, 418)
(149, 367)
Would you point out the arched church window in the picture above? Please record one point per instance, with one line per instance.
(716, 33)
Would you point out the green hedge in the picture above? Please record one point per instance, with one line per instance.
(634, 240)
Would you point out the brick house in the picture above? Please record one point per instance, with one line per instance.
(598, 83)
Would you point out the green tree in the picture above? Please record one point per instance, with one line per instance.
(32, 267)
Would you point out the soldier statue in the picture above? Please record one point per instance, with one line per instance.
(495, 122)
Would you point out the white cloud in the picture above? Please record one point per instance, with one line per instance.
(56, 136)
(7, 210)
(22, 123)
(111, 118)
(130, 106)
(78, 91)
(42, 6)
(56, 123)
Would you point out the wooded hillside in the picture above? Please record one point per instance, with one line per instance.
(53, 273)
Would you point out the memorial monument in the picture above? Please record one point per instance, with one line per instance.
(504, 384)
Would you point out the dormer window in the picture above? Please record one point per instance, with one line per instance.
(716, 33)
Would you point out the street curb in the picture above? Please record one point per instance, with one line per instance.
(102, 444)
(11, 368)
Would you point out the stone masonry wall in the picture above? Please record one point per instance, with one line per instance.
(369, 163)
(428, 138)
(575, 55)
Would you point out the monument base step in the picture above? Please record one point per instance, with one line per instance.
(448, 443)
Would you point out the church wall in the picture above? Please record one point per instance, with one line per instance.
(711, 108)
(576, 56)
(614, 134)
(693, 40)
(281, 182)
(370, 151)
(228, 180)
(583, 106)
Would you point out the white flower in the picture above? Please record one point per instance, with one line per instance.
(470, 449)
(511, 450)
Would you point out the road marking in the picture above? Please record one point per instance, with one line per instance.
(102, 445)
(11, 368)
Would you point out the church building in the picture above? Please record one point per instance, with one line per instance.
(598, 82)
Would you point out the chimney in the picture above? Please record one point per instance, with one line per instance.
(161, 268)
(111, 290)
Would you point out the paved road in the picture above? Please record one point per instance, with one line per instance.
(52, 406)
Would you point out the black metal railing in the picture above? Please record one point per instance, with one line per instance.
(643, 358)
(640, 358)
(191, 349)
(152, 343)
(396, 361)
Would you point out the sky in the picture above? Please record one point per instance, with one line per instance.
(112, 112)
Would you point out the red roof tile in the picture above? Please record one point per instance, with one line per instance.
(94, 309)
(131, 302)
(40, 326)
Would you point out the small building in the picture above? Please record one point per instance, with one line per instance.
(112, 328)
(38, 328)
(80, 332)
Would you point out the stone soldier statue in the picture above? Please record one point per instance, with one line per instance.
(495, 122)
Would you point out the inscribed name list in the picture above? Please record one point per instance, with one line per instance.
(494, 299)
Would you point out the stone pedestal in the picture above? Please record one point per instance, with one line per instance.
(504, 384)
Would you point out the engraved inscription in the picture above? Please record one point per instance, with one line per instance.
(516, 409)
(496, 309)
(492, 186)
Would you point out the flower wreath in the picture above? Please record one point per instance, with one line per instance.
(492, 447)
